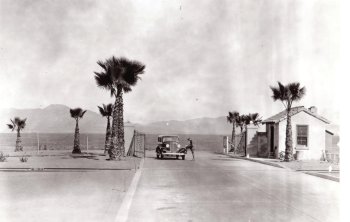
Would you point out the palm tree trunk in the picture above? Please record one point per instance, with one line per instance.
(19, 146)
(120, 129)
(76, 148)
(233, 138)
(245, 141)
(113, 147)
(108, 135)
(289, 141)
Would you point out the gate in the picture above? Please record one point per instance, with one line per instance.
(138, 144)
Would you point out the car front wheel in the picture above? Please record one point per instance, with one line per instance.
(183, 157)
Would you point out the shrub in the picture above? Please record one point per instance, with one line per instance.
(3, 157)
(23, 159)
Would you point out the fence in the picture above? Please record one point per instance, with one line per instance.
(138, 145)
(51, 141)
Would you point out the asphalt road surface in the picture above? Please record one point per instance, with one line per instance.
(218, 188)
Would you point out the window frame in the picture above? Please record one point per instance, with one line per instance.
(307, 134)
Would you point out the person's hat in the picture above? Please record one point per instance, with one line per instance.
(188, 138)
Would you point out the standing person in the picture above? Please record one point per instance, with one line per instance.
(190, 147)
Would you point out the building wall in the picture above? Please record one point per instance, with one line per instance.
(316, 135)
(252, 140)
(262, 145)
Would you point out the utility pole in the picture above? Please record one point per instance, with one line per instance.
(87, 143)
(38, 142)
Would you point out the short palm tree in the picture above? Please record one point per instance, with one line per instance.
(106, 111)
(77, 114)
(18, 124)
(232, 118)
(118, 76)
(287, 94)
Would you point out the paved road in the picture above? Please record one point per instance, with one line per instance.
(217, 188)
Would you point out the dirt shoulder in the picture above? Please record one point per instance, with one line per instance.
(94, 159)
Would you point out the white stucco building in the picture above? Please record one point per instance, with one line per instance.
(308, 132)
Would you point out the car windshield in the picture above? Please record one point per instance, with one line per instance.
(170, 139)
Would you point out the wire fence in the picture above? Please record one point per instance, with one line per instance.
(51, 141)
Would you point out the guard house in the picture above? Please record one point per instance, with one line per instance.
(308, 131)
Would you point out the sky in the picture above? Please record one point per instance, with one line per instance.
(203, 58)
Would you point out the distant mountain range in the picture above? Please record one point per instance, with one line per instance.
(56, 119)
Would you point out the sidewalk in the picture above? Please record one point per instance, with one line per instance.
(310, 167)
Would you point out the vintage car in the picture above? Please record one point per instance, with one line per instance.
(169, 145)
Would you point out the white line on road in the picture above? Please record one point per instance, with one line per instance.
(123, 211)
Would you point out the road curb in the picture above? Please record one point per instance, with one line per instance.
(260, 161)
(323, 176)
(123, 212)
(280, 166)
(45, 169)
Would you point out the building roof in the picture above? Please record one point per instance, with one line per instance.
(283, 115)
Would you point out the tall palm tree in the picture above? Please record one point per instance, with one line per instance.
(118, 76)
(18, 124)
(232, 118)
(77, 114)
(287, 94)
(106, 111)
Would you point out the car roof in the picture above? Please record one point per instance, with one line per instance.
(168, 135)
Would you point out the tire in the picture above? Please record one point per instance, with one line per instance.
(177, 156)
(281, 154)
(183, 157)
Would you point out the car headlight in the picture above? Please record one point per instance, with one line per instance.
(167, 145)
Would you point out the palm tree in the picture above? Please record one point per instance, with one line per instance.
(240, 121)
(106, 111)
(77, 114)
(18, 125)
(232, 118)
(253, 118)
(118, 76)
(287, 94)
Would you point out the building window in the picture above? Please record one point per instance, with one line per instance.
(302, 135)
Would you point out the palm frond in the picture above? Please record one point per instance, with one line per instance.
(13, 123)
(17, 120)
(102, 110)
(102, 64)
(296, 93)
(75, 113)
(109, 109)
(22, 123)
(232, 116)
(228, 118)
(10, 126)
(103, 80)
(82, 113)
